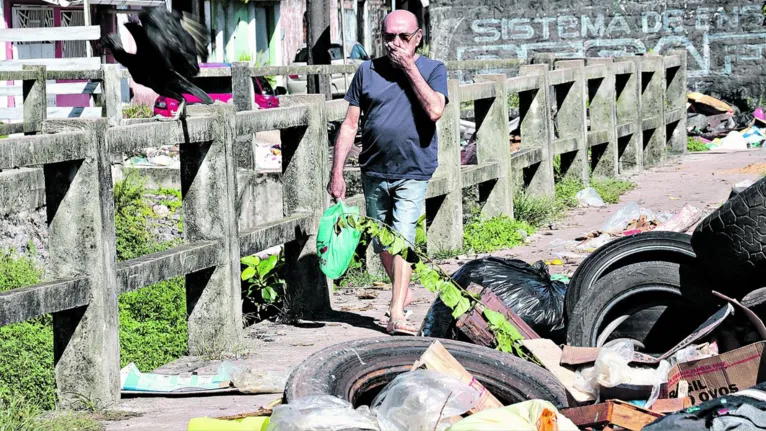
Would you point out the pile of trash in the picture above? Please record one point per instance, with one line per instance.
(164, 156)
(721, 126)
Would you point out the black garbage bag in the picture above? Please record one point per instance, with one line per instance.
(526, 289)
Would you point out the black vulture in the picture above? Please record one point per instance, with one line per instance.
(167, 49)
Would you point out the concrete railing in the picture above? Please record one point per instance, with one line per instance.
(635, 108)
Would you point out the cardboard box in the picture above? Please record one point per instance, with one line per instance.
(725, 374)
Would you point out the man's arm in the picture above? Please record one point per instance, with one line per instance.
(343, 144)
(432, 101)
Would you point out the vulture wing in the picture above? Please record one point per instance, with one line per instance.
(199, 33)
(172, 42)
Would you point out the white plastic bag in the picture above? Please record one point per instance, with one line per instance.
(589, 198)
(259, 382)
(417, 400)
(611, 369)
(319, 413)
(622, 218)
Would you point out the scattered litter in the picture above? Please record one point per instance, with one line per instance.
(622, 218)
(615, 414)
(708, 105)
(423, 400)
(249, 381)
(554, 262)
(683, 220)
(133, 381)
(320, 413)
(694, 353)
(367, 293)
(589, 197)
(560, 277)
(563, 244)
(532, 415)
(547, 352)
(594, 243)
(733, 141)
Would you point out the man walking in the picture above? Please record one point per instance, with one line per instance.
(403, 95)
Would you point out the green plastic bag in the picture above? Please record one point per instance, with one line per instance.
(335, 246)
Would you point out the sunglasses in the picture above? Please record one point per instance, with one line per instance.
(406, 37)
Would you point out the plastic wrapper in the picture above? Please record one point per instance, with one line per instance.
(589, 198)
(422, 400)
(611, 369)
(259, 382)
(594, 243)
(527, 290)
(336, 246)
(622, 218)
(320, 413)
(694, 353)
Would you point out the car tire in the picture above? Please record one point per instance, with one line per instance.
(358, 370)
(731, 242)
(648, 246)
(637, 290)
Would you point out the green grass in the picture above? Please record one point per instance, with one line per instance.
(533, 209)
(19, 414)
(610, 189)
(694, 145)
(487, 235)
(137, 111)
(566, 190)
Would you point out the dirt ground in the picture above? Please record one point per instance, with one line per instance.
(700, 179)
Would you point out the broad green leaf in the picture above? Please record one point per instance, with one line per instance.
(351, 222)
(268, 265)
(450, 297)
(396, 246)
(248, 273)
(494, 318)
(385, 236)
(250, 260)
(269, 294)
(462, 307)
(342, 223)
(373, 229)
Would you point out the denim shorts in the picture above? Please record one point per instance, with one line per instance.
(397, 203)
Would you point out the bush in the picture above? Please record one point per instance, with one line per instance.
(496, 233)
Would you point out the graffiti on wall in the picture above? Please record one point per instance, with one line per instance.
(717, 39)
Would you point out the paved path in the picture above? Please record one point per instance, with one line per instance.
(703, 180)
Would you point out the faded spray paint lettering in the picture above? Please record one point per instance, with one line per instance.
(718, 38)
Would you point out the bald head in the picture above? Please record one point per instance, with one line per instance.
(400, 21)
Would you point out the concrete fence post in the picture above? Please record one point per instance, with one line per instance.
(493, 146)
(111, 91)
(628, 113)
(535, 131)
(305, 173)
(653, 110)
(80, 209)
(572, 121)
(242, 90)
(35, 99)
(446, 212)
(208, 188)
(602, 117)
(676, 99)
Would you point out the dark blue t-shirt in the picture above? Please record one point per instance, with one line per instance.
(398, 139)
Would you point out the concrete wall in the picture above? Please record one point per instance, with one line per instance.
(724, 40)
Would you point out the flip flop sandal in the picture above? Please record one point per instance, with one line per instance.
(406, 329)
(383, 321)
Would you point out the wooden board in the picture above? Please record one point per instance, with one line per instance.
(53, 113)
(550, 355)
(437, 358)
(612, 412)
(671, 405)
(91, 63)
(45, 34)
(474, 325)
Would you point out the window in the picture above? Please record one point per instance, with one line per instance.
(336, 52)
(267, 90)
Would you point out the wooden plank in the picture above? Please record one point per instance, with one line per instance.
(59, 88)
(631, 417)
(17, 113)
(595, 415)
(550, 355)
(63, 64)
(437, 358)
(671, 405)
(44, 34)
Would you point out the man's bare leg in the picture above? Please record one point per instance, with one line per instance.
(399, 272)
